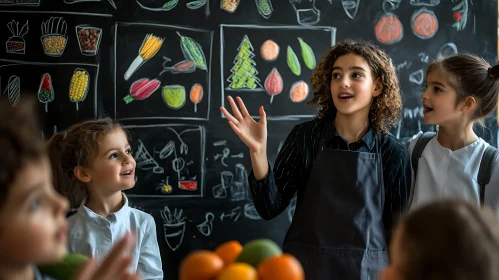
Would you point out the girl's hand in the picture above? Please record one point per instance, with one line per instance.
(252, 133)
(114, 266)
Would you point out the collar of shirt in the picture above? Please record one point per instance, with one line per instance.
(332, 134)
(111, 218)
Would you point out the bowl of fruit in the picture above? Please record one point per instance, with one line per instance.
(260, 259)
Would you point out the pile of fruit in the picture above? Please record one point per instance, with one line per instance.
(260, 259)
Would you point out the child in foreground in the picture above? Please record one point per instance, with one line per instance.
(32, 214)
(449, 239)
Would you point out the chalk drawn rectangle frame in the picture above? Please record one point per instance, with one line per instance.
(96, 78)
(203, 149)
(124, 24)
(330, 29)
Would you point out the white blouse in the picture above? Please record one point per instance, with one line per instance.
(443, 173)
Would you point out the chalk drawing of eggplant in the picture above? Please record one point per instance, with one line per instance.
(13, 90)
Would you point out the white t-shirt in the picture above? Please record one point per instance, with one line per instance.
(443, 173)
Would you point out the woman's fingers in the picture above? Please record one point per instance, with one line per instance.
(263, 116)
(228, 115)
(244, 111)
(235, 110)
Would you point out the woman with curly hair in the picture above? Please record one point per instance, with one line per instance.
(351, 176)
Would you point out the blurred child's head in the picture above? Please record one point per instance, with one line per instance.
(358, 76)
(445, 240)
(459, 88)
(32, 213)
(92, 157)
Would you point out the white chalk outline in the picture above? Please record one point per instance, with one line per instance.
(13, 92)
(429, 3)
(450, 45)
(234, 213)
(293, 86)
(413, 19)
(97, 44)
(208, 97)
(173, 221)
(174, 86)
(60, 31)
(17, 33)
(330, 29)
(351, 11)
(261, 13)
(202, 138)
(51, 90)
(86, 89)
(417, 77)
(401, 28)
(220, 191)
(252, 62)
(58, 12)
(96, 78)
(314, 10)
(267, 79)
(139, 60)
(36, 3)
(208, 224)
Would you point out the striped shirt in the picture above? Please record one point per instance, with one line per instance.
(293, 165)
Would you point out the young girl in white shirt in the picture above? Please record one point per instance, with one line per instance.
(461, 90)
(92, 164)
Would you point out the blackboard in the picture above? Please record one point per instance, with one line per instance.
(189, 162)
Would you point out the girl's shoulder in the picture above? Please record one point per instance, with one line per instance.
(412, 141)
(140, 216)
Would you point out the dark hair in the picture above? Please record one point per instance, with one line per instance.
(20, 141)
(386, 108)
(471, 75)
(450, 240)
(75, 147)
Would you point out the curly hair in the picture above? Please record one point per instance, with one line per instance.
(75, 147)
(386, 108)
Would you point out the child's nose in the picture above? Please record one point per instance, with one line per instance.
(62, 204)
(424, 95)
(344, 82)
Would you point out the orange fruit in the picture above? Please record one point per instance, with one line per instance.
(238, 271)
(200, 265)
(283, 267)
(229, 251)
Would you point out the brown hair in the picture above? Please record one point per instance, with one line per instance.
(75, 147)
(470, 75)
(450, 240)
(19, 139)
(386, 107)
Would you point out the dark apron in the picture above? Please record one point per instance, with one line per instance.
(337, 230)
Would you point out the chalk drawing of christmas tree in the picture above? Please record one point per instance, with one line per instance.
(244, 74)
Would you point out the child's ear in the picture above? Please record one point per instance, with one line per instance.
(377, 87)
(81, 174)
(468, 104)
